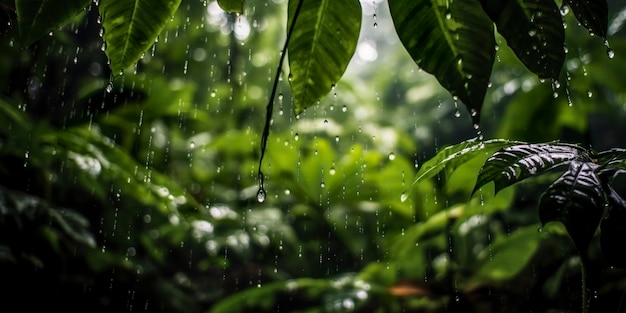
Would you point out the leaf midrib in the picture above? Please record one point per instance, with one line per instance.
(320, 18)
(130, 29)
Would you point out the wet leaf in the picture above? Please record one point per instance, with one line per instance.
(534, 31)
(322, 44)
(513, 164)
(592, 14)
(441, 38)
(510, 257)
(130, 28)
(613, 232)
(235, 6)
(451, 157)
(575, 199)
(37, 17)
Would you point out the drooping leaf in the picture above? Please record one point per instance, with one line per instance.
(235, 6)
(37, 17)
(441, 37)
(613, 230)
(534, 31)
(592, 14)
(323, 41)
(451, 157)
(130, 28)
(575, 199)
(612, 162)
(513, 164)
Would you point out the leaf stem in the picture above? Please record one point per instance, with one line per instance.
(270, 104)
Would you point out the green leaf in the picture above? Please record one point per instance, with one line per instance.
(508, 257)
(534, 31)
(37, 17)
(323, 41)
(513, 164)
(235, 6)
(592, 14)
(130, 28)
(452, 40)
(575, 199)
(613, 232)
(452, 157)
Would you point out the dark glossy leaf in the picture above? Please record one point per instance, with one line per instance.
(575, 199)
(235, 6)
(322, 44)
(613, 231)
(37, 17)
(451, 157)
(612, 162)
(452, 40)
(592, 14)
(534, 31)
(513, 164)
(130, 28)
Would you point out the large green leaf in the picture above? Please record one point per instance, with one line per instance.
(592, 14)
(235, 6)
(37, 17)
(452, 157)
(575, 199)
(452, 40)
(323, 41)
(131, 26)
(513, 164)
(534, 31)
(508, 257)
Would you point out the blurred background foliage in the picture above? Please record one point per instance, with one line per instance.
(143, 198)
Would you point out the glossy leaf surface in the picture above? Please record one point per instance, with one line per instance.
(516, 163)
(575, 199)
(441, 38)
(323, 41)
(592, 14)
(131, 27)
(534, 31)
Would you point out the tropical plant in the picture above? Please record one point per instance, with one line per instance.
(581, 198)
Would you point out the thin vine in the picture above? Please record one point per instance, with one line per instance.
(261, 194)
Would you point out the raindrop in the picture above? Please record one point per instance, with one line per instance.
(332, 171)
(564, 9)
(109, 87)
(344, 108)
(323, 184)
(392, 156)
(589, 94)
(404, 196)
(457, 113)
(610, 53)
(260, 195)
(296, 137)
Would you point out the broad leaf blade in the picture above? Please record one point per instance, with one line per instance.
(131, 26)
(37, 17)
(235, 6)
(613, 232)
(321, 46)
(534, 31)
(592, 14)
(442, 37)
(513, 164)
(575, 199)
(451, 157)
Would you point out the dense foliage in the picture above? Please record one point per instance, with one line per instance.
(134, 134)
